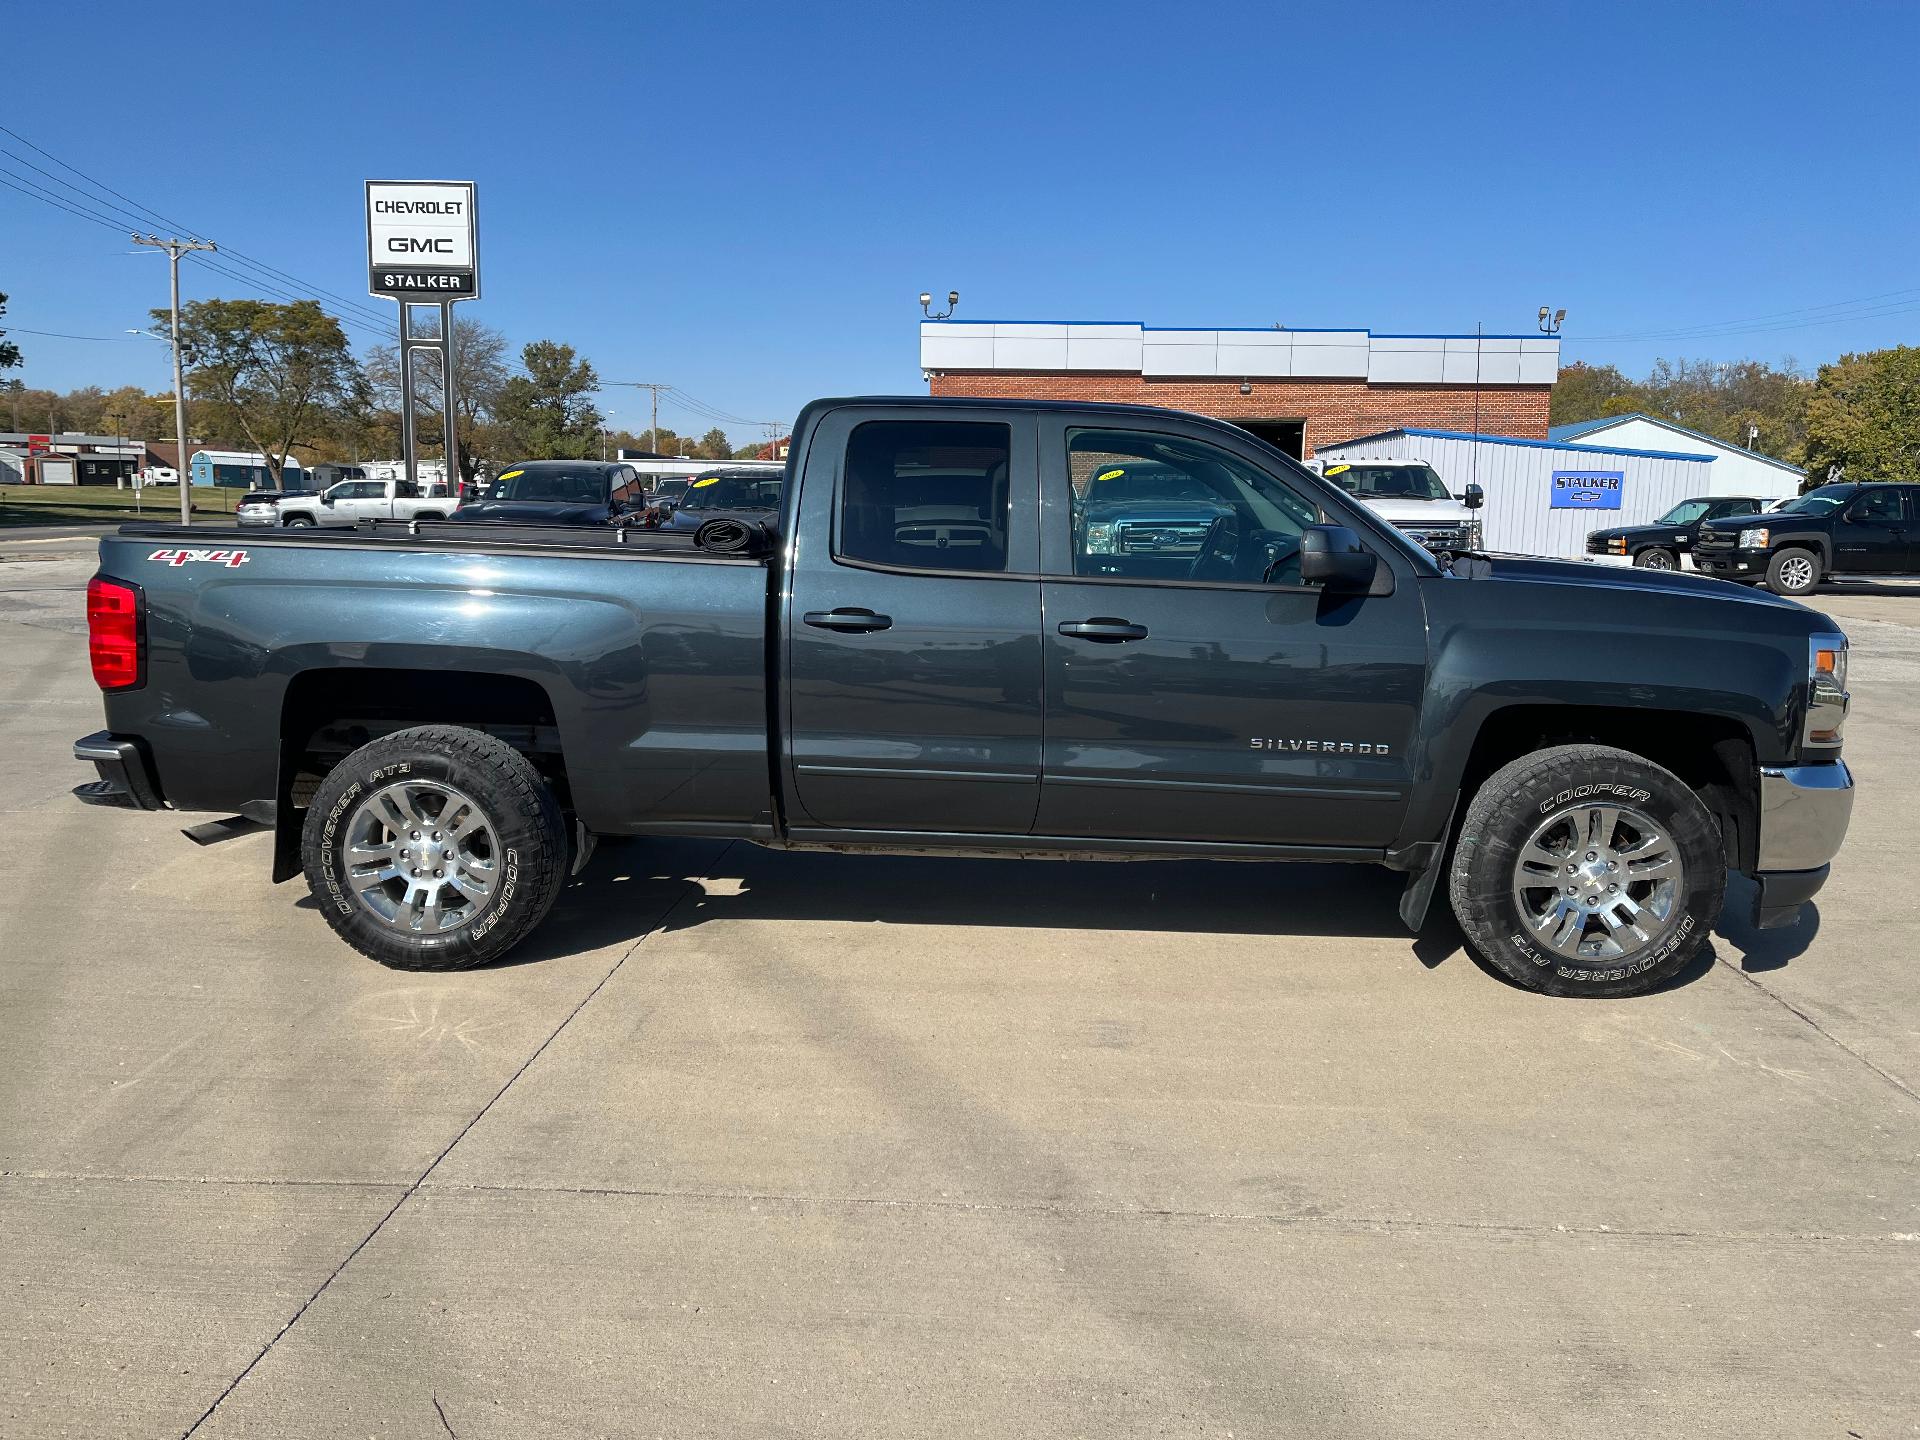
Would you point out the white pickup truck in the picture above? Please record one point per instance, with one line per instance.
(1410, 496)
(346, 504)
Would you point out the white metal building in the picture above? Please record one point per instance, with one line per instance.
(1736, 472)
(1519, 477)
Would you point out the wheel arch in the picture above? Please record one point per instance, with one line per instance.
(328, 712)
(1712, 754)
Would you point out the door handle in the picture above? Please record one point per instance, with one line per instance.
(848, 620)
(1103, 631)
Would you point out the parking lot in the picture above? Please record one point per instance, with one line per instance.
(756, 1144)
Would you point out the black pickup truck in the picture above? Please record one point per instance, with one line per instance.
(1662, 544)
(949, 639)
(1845, 529)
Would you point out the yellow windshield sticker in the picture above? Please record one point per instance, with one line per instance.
(1111, 475)
(511, 473)
(1338, 469)
(710, 480)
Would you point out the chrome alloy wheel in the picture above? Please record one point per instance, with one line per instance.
(422, 857)
(1658, 560)
(1796, 572)
(1598, 882)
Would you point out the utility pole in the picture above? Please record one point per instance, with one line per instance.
(175, 249)
(653, 430)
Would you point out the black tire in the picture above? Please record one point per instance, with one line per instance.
(1657, 557)
(1519, 799)
(1793, 571)
(527, 844)
(299, 522)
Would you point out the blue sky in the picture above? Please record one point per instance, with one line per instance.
(744, 200)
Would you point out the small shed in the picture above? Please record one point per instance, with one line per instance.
(1545, 498)
(242, 470)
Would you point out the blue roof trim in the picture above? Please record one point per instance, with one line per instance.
(1516, 440)
(1588, 427)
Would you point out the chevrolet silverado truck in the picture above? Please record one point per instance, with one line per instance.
(930, 647)
(1844, 529)
(1667, 543)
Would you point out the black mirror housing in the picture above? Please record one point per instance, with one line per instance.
(1332, 556)
(1474, 498)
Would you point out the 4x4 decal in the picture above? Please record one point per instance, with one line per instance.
(229, 558)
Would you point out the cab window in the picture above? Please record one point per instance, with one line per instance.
(1882, 502)
(926, 495)
(1162, 507)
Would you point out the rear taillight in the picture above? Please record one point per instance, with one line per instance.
(113, 634)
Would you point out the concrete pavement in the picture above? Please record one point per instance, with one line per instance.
(762, 1144)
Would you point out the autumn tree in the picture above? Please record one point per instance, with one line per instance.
(279, 375)
(479, 373)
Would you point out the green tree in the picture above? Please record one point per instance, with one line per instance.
(1863, 416)
(714, 445)
(275, 375)
(9, 352)
(1590, 392)
(548, 413)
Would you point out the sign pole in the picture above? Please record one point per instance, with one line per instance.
(450, 417)
(410, 463)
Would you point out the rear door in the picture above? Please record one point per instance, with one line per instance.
(1871, 533)
(913, 651)
(1196, 690)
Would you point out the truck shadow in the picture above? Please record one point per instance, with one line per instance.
(1762, 950)
(687, 884)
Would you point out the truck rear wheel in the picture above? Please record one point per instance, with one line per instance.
(436, 848)
(1586, 870)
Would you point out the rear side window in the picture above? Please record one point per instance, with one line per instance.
(926, 495)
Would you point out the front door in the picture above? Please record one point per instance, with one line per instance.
(913, 651)
(1871, 534)
(1196, 690)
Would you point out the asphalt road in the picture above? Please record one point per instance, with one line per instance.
(757, 1145)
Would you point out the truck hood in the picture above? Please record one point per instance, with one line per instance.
(1403, 510)
(1532, 569)
(533, 512)
(1641, 532)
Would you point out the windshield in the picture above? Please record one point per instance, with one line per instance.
(672, 489)
(1389, 482)
(725, 492)
(1818, 502)
(1685, 513)
(559, 483)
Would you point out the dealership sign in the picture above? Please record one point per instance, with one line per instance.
(1587, 489)
(421, 241)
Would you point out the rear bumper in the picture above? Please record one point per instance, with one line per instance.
(126, 780)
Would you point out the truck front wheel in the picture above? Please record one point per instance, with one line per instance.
(1586, 870)
(436, 848)
(1793, 572)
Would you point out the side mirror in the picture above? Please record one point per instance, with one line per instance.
(1474, 497)
(1331, 555)
(327, 499)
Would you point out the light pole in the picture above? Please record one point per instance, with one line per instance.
(175, 249)
(926, 300)
(1550, 320)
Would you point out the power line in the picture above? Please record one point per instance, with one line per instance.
(62, 335)
(157, 216)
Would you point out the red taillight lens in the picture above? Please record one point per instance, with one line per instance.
(113, 634)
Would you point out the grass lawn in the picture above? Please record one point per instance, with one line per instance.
(24, 505)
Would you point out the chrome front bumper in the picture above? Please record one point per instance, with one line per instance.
(1804, 811)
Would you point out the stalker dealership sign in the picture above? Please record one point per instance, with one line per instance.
(421, 240)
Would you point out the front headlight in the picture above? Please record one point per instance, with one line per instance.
(1473, 535)
(1826, 688)
(1099, 539)
(1755, 539)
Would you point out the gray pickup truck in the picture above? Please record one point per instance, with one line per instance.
(948, 639)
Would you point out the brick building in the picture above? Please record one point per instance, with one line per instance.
(1297, 388)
